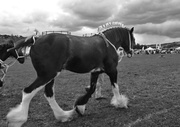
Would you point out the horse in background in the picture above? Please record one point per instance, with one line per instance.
(5, 54)
(52, 53)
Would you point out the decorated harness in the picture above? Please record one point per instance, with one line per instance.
(110, 25)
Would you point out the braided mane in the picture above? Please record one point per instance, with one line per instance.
(110, 25)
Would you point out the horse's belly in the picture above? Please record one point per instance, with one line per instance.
(80, 66)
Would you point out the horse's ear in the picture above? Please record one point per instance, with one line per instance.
(132, 30)
(31, 40)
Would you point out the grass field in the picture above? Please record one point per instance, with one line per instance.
(151, 82)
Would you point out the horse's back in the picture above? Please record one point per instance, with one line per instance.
(74, 53)
(86, 54)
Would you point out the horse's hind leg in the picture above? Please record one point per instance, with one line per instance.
(118, 99)
(100, 82)
(80, 103)
(59, 113)
(18, 115)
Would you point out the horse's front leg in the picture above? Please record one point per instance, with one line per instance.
(59, 113)
(118, 99)
(80, 103)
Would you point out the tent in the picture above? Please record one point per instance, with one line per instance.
(149, 49)
(178, 48)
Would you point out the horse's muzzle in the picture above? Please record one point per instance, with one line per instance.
(21, 60)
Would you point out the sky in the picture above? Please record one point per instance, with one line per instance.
(154, 21)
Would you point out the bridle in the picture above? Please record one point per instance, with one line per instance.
(5, 67)
(130, 42)
(119, 50)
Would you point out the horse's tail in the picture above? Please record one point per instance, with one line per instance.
(29, 41)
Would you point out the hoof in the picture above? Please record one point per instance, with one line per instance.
(87, 88)
(100, 98)
(63, 120)
(15, 124)
(65, 116)
(16, 117)
(80, 109)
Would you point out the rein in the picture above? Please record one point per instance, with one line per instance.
(119, 51)
(130, 42)
(5, 67)
(107, 41)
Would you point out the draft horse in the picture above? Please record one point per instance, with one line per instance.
(52, 53)
(4, 54)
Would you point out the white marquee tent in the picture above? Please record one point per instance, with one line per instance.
(149, 49)
(178, 48)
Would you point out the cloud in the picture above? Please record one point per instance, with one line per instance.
(151, 17)
(149, 11)
(93, 10)
(36, 16)
(153, 39)
(168, 28)
(89, 13)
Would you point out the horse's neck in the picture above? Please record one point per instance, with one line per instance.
(4, 58)
(114, 38)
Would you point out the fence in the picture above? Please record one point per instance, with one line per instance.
(62, 32)
(88, 34)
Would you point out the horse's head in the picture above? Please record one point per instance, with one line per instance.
(119, 36)
(3, 50)
(4, 53)
(129, 43)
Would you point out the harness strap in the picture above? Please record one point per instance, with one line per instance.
(119, 51)
(105, 39)
(25, 48)
(4, 67)
(129, 41)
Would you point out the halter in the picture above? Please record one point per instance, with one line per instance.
(119, 51)
(112, 25)
(129, 42)
(5, 67)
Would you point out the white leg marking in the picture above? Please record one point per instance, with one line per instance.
(98, 90)
(118, 100)
(59, 113)
(18, 115)
(81, 108)
(99, 84)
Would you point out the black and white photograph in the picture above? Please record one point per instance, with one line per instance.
(89, 63)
